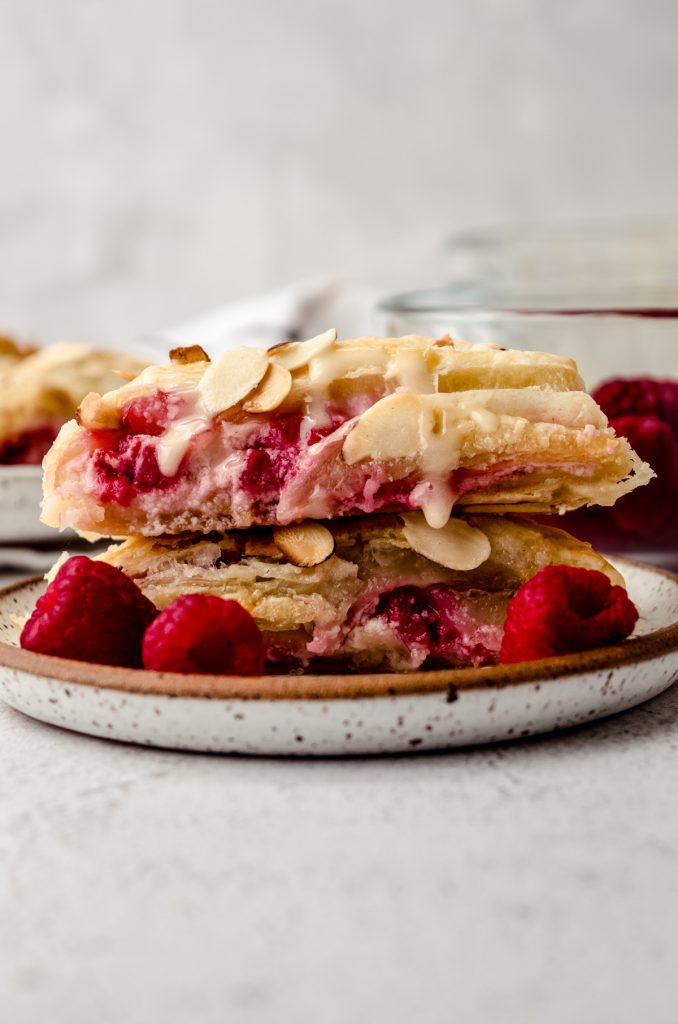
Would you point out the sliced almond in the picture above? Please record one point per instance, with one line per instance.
(124, 375)
(231, 378)
(396, 427)
(189, 354)
(273, 390)
(304, 543)
(95, 414)
(455, 545)
(295, 354)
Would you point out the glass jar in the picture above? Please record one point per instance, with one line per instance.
(607, 298)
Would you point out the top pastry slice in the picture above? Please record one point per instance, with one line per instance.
(322, 429)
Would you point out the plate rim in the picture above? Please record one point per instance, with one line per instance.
(345, 686)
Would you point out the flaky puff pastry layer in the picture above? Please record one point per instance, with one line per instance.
(311, 609)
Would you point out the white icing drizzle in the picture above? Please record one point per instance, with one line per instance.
(486, 420)
(410, 423)
(436, 500)
(337, 363)
(408, 366)
(174, 443)
(441, 454)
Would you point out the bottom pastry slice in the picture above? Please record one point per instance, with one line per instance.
(383, 592)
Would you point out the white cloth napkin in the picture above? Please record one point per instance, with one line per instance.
(301, 310)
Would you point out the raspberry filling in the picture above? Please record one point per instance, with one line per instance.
(127, 466)
(28, 448)
(126, 462)
(408, 627)
(272, 457)
(278, 469)
(152, 415)
(437, 621)
(269, 452)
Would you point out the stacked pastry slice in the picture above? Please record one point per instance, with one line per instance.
(217, 473)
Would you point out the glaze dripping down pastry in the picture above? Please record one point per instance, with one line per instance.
(326, 429)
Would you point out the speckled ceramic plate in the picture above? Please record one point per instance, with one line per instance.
(348, 714)
(20, 497)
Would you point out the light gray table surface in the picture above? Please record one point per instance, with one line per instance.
(533, 882)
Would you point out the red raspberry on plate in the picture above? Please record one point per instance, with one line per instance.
(200, 633)
(649, 509)
(640, 396)
(90, 611)
(563, 609)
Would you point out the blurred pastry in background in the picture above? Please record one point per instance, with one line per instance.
(40, 389)
(12, 352)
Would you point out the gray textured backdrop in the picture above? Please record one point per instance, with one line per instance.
(163, 156)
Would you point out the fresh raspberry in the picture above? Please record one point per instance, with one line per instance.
(200, 633)
(564, 609)
(649, 509)
(91, 611)
(640, 396)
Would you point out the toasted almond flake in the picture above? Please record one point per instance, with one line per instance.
(274, 389)
(231, 378)
(304, 544)
(295, 354)
(124, 375)
(455, 545)
(95, 414)
(189, 354)
(396, 427)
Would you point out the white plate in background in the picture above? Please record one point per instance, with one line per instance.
(20, 497)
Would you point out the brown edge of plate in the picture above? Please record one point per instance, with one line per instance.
(348, 686)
